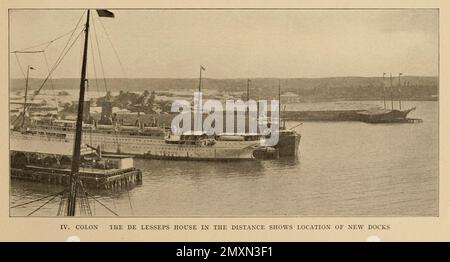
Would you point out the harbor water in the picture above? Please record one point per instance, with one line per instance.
(343, 169)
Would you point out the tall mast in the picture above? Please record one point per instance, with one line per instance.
(392, 95)
(25, 99)
(200, 79)
(399, 92)
(197, 120)
(247, 111)
(279, 105)
(384, 92)
(78, 133)
(248, 89)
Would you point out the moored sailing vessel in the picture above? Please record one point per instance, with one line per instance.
(386, 115)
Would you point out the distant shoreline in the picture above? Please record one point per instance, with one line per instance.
(421, 88)
(412, 99)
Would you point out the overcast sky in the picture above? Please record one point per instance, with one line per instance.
(237, 43)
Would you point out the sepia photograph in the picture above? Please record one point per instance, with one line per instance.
(223, 112)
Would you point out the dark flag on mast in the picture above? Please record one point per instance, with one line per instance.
(105, 13)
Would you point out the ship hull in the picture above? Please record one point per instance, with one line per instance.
(156, 148)
(384, 116)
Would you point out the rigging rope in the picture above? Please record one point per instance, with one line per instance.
(53, 69)
(20, 66)
(80, 56)
(84, 200)
(27, 52)
(81, 207)
(129, 201)
(70, 38)
(47, 43)
(99, 55)
(36, 200)
(116, 53)
(51, 82)
(37, 209)
(104, 80)
(109, 209)
(93, 63)
(63, 53)
(62, 204)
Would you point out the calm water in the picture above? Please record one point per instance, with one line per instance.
(344, 169)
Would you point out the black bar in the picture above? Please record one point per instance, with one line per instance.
(302, 251)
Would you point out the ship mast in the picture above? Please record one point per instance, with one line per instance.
(200, 79)
(392, 95)
(399, 92)
(197, 117)
(78, 133)
(384, 92)
(26, 94)
(248, 89)
(279, 105)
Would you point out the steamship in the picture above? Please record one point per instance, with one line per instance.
(146, 142)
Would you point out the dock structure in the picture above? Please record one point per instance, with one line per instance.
(414, 120)
(49, 162)
(344, 115)
(114, 179)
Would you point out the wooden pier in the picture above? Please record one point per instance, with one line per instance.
(414, 120)
(393, 121)
(92, 178)
(342, 115)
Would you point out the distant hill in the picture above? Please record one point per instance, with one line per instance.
(330, 88)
